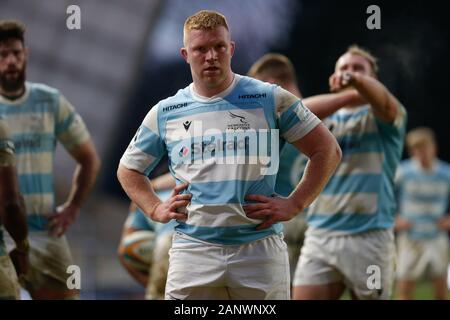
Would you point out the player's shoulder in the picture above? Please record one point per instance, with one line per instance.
(41, 90)
(443, 167)
(249, 84)
(406, 166)
(176, 101)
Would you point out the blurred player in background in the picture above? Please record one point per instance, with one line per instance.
(38, 116)
(225, 245)
(144, 246)
(13, 217)
(350, 225)
(278, 69)
(423, 189)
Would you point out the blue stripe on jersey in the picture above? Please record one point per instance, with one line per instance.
(344, 117)
(36, 183)
(289, 118)
(216, 192)
(234, 235)
(150, 142)
(365, 183)
(33, 142)
(351, 143)
(30, 108)
(37, 222)
(62, 127)
(349, 222)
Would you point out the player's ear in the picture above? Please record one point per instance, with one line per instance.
(232, 47)
(184, 54)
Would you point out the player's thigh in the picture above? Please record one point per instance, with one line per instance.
(9, 284)
(49, 259)
(317, 263)
(195, 268)
(259, 270)
(369, 271)
(329, 291)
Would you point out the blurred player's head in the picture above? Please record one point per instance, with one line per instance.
(208, 49)
(275, 68)
(13, 56)
(421, 144)
(357, 60)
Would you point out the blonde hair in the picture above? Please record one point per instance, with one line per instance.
(420, 136)
(357, 50)
(204, 20)
(274, 65)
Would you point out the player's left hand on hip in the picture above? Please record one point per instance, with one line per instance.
(60, 220)
(269, 209)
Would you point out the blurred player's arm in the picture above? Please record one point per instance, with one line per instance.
(324, 105)
(12, 207)
(385, 106)
(73, 134)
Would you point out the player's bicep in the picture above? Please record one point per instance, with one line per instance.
(317, 140)
(146, 147)
(70, 128)
(294, 119)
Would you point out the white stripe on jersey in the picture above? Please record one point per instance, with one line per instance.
(351, 203)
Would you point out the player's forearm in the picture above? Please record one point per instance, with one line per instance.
(83, 181)
(384, 104)
(324, 105)
(15, 220)
(319, 169)
(138, 188)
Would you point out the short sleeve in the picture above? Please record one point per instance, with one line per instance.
(294, 119)
(70, 128)
(146, 148)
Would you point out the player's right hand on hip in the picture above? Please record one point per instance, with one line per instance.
(168, 210)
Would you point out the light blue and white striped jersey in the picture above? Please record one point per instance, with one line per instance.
(6, 159)
(360, 197)
(423, 197)
(226, 147)
(37, 120)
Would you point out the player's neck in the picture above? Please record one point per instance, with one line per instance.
(13, 95)
(209, 92)
(426, 165)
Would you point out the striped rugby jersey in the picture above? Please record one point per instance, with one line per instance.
(36, 121)
(359, 197)
(226, 147)
(423, 197)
